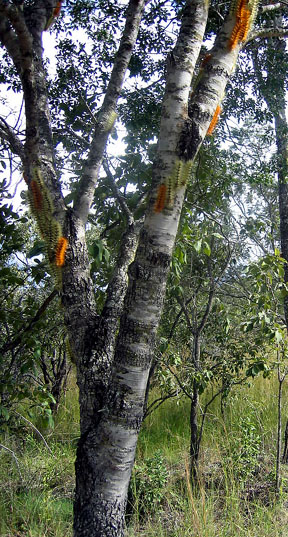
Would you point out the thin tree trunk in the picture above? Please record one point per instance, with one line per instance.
(285, 450)
(194, 433)
(273, 89)
(281, 379)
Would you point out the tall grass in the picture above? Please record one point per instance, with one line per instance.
(235, 496)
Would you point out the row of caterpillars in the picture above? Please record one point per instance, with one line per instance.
(244, 11)
(42, 208)
(167, 191)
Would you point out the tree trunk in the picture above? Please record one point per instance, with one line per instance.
(194, 437)
(281, 379)
(106, 452)
(285, 450)
(273, 89)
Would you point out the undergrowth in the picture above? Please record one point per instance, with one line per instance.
(235, 495)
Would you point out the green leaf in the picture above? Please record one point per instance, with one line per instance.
(4, 412)
(256, 368)
(197, 245)
(206, 248)
(278, 336)
(70, 198)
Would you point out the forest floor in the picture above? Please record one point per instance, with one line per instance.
(235, 495)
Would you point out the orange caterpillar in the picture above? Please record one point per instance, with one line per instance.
(241, 28)
(55, 13)
(57, 9)
(37, 195)
(60, 251)
(161, 198)
(214, 120)
(245, 25)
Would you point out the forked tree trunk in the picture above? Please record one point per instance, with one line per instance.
(106, 452)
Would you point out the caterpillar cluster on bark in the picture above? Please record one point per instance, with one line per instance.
(60, 251)
(42, 208)
(245, 12)
(214, 120)
(110, 121)
(161, 198)
(167, 191)
(55, 14)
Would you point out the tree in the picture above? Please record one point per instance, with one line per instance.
(113, 348)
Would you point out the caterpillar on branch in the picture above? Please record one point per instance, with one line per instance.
(245, 12)
(61, 251)
(55, 14)
(42, 208)
(161, 198)
(110, 121)
(37, 195)
(214, 120)
(177, 179)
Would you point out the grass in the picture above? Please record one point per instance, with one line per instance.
(236, 482)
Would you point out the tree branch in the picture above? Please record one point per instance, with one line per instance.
(272, 7)
(7, 133)
(158, 402)
(183, 306)
(108, 110)
(21, 35)
(34, 429)
(267, 33)
(9, 38)
(117, 287)
(179, 382)
(118, 194)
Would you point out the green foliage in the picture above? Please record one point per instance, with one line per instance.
(267, 290)
(245, 450)
(236, 494)
(99, 253)
(147, 486)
